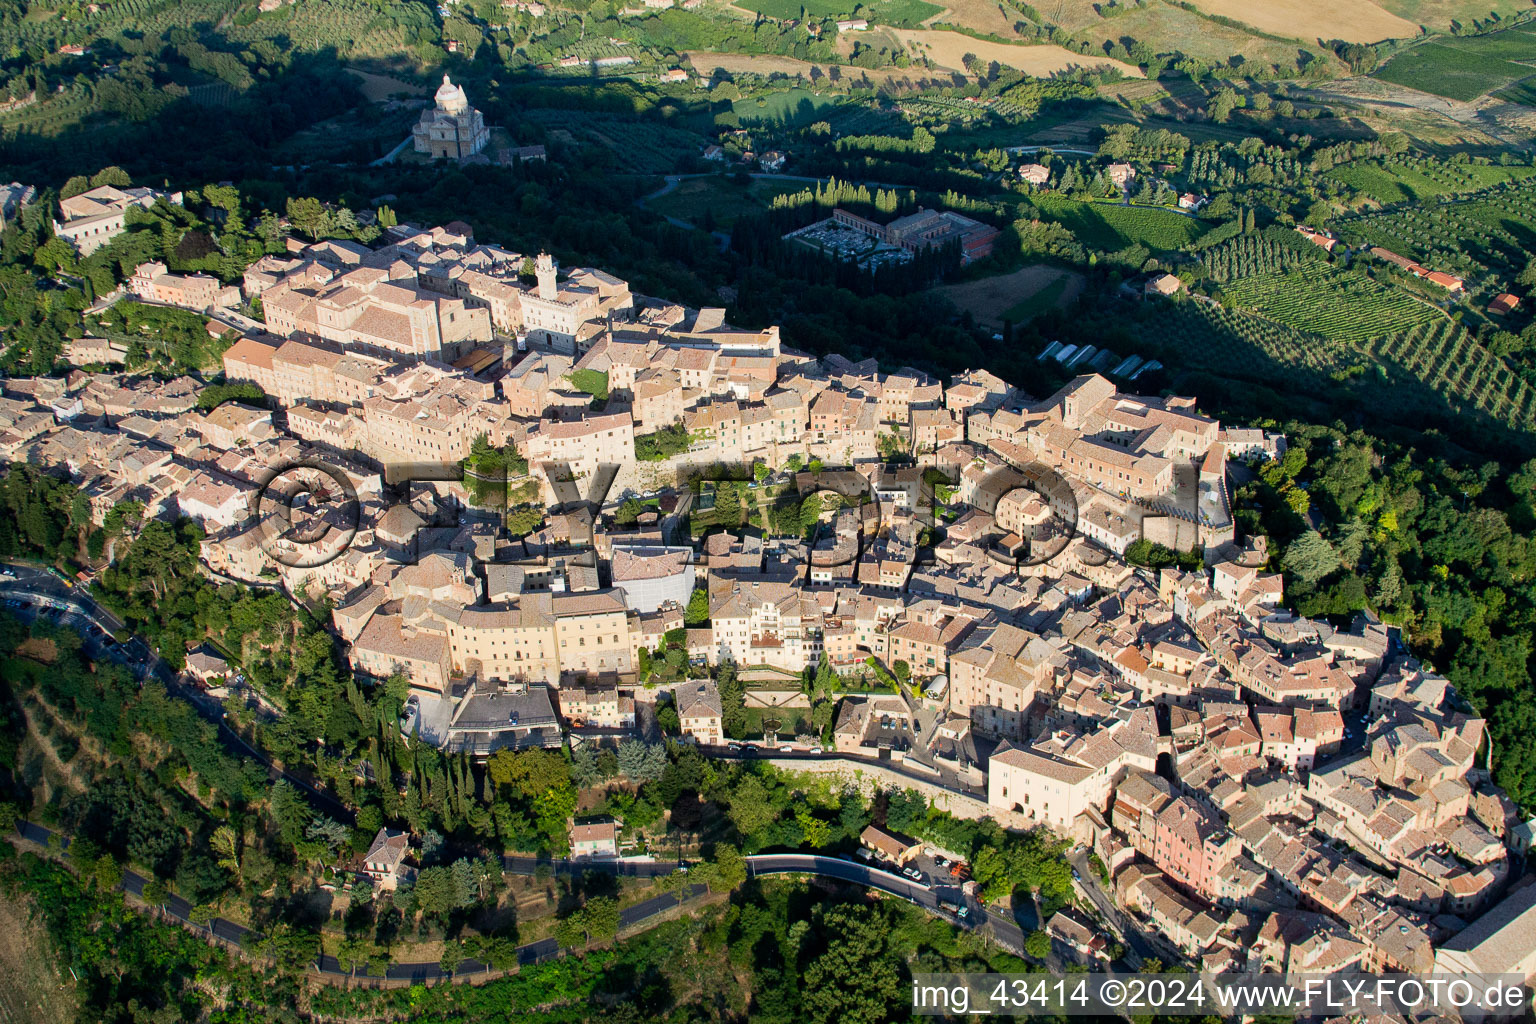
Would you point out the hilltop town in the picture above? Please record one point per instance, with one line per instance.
(563, 511)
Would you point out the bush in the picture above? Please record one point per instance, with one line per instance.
(663, 444)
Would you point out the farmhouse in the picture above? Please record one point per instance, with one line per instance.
(1121, 174)
(1316, 237)
(1450, 282)
(1035, 174)
(597, 837)
(897, 849)
(385, 860)
(1504, 304)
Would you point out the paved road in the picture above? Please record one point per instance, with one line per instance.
(998, 925)
(1120, 922)
(42, 588)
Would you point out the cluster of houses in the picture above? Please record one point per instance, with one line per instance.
(1502, 304)
(1263, 788)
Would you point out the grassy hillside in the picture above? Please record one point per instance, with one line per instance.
(1408, 179)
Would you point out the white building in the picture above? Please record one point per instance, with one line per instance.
(651, 576)
(451, 129)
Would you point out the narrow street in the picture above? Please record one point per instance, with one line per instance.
(1120, 923)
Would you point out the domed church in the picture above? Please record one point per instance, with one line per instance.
(452, 129)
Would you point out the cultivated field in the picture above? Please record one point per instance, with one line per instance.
(1523, 93)
(1404, 179)
(1342, 305)
(1492, 232)
(1355, 21)
(991, 300)
(948, 49)
(644, 147)
(1439, 363)
(1438, 14)
(722, 198)
(980, 16)
(1465, 68)
(1111, 227)
(705, 62)
(1165, 27)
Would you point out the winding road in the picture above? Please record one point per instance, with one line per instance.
(45, 590)
(999, 926)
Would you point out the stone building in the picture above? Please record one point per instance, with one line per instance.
(451, 129)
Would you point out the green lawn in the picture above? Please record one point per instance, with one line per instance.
(791, 106)
(1464, 68)
(1046, 298)
(792, 721)
(1111, 227)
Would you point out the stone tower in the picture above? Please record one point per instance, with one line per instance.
(544, 271)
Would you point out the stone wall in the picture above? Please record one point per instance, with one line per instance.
(868, 778)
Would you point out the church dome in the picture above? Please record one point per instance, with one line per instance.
(451, 97)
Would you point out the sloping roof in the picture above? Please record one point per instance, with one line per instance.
(888, 844)
(698, 700)
(389, 847)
